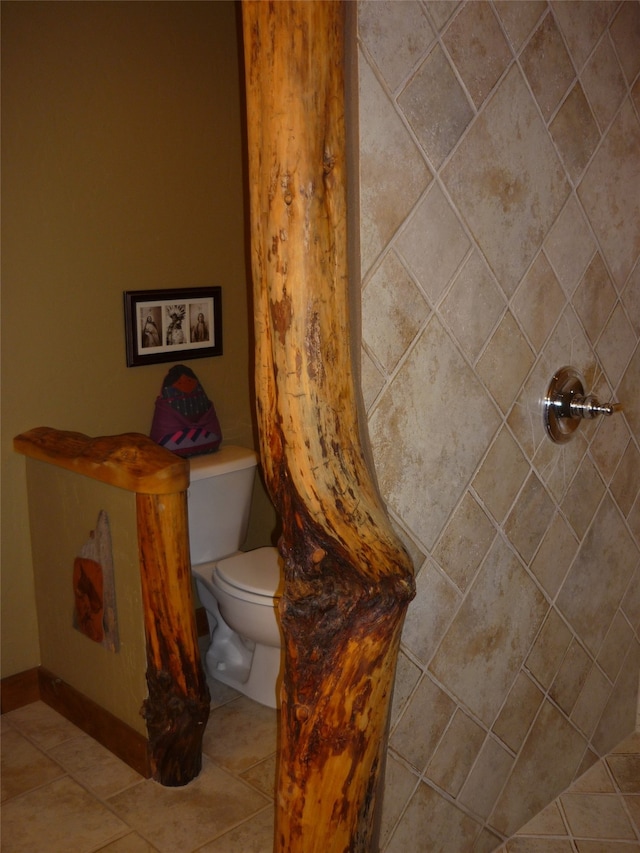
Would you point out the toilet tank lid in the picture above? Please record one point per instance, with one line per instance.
(225, 460)
(257, 571)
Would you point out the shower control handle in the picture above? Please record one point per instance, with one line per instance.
(566, 404)
(589, 407)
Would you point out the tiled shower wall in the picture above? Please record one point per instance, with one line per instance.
(500, 240)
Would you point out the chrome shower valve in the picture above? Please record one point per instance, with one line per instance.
(566, 404)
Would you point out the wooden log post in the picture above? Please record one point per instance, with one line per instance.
(348, 580)
(177, 707)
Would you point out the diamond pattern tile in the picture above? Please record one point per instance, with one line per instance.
(504, 603)
(538, 301)
(603, 83)
(631, 298)
(582, 27)
(498, 493)
(473, 306)
(610, 194)
(569, 245)
(464, 542)
(594, 298)
(478, 49)
(393, 310)
(616, 344)
(597, 581)
(519, 18)
(503, 167)
(551, 735)
(625, 31)
(526, 247)
(626, 391)
(393, 173)
(423, 481)
(505, 362)
(396, 35)
(575, 132)
(549, 80)
(436, 107)
(433, 244)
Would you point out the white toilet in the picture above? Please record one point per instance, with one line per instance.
(239, 590)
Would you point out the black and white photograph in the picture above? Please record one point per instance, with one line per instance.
(162, 325)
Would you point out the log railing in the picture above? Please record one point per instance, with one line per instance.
(177, 707)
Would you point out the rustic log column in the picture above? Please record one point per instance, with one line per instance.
(348, 580)
(177, 707)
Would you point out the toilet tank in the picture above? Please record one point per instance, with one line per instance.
(219, 499)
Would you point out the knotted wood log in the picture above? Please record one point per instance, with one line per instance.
(348, 580)
(177, 708)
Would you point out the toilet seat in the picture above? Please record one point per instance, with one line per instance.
(251, 573)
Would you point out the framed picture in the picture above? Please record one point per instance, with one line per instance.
(172, 325)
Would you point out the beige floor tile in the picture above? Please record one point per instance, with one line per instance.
(48, 812)
(240, 733)
(539, 845)
(597, 816)
(626, 772)
(183, 819)
(263, 776)
(548, 822)
(24, 766)
(595, 781)
(629, 745)
(633, 807)
(41, 724)
(94, 766)
(591, 817)
(58, 818)
(439, 825)
(253, 836)
(131, 843)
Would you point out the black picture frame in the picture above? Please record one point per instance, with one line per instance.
(172, 325)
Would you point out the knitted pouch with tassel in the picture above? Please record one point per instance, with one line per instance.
(185, 420)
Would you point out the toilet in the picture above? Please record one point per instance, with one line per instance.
(239, 590)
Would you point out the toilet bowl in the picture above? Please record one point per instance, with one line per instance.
(239, 590)
(240, 596)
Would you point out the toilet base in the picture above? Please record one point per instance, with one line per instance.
(246, 665)
(263, 682)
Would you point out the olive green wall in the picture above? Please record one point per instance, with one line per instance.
(67, 506)
(121, 170)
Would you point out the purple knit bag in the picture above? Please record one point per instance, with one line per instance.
(185, 420)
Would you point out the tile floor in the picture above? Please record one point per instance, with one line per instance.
(64, 793)
(600, 813)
